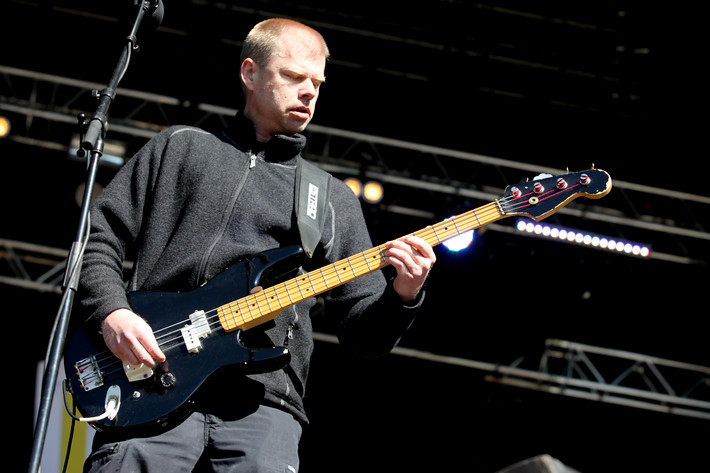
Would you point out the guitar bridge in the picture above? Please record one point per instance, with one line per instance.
(89, 373)
(198, 329)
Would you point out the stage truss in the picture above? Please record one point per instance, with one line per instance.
(421, 181)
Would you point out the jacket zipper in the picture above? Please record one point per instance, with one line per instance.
(225, 220)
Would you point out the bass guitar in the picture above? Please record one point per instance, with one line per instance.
(200, 331)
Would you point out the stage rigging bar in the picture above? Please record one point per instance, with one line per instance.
(635, 380)
(444, 172)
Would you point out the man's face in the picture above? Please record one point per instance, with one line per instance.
(283, 93)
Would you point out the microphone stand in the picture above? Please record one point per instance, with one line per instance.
(93, 142)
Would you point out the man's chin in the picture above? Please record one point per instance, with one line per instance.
(297, 126)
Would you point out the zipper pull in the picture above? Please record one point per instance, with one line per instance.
(252, 163)
(289, 334)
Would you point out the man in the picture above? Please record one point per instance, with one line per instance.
(192, 203)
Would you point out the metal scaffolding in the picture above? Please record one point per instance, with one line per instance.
(424, 181)
(615, 377)
(596, 374)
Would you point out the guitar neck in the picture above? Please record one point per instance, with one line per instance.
(265, 305)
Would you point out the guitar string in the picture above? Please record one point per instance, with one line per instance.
(328, 273)
(360, 268)
(213, 319)
(112, 360)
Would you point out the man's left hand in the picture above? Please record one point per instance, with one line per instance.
(413, 258)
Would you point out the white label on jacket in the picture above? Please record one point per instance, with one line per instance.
(312, 210)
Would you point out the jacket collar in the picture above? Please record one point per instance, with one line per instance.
(240, 132)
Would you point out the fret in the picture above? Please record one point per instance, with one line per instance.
(325, 281)
(257, 302)
(476, 217)
(248, 309)
(320, 282)
(288, 293)
(300, 290)
(223, 319)
(337, 273)
(278, 299)
(378, 257)
(266, 298)
(227, 317)
(432, 240)
(236, 313)
(458, 231)
(382, 253)
(351, 267)
(436, 234)
(315, 291)
(366, 262)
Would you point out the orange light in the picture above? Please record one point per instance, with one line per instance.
(354, 185)
(373, 192)
(4, 127)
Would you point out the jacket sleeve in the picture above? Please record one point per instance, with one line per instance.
(367, 314)
(115, 224)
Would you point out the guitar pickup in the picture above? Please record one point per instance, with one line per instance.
(137, 373)
(198, 329)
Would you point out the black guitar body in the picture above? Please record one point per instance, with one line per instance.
(164, 398)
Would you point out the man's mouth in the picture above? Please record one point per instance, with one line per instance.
(303, 112)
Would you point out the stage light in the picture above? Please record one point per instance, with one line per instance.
(355, 185)
(459, 242)
(373, 192)
(4, 127)
(582, 238)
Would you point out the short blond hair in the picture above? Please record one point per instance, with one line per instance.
(262, 41)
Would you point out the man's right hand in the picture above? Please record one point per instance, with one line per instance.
(131, 339)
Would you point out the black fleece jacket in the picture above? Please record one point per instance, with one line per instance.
(192, 203)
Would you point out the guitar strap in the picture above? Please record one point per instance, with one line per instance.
(311, 199)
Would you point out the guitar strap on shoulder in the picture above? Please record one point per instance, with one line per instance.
(311, 199)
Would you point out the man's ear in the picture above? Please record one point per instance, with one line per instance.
(248, 69)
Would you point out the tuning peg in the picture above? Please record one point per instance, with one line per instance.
(542, 176)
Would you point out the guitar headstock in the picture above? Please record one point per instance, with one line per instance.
(544, 195)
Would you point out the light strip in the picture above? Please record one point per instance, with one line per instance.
(584, 239)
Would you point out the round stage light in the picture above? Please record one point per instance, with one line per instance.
(4, 127)
(373, 192)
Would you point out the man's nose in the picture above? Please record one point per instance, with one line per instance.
(308, 89)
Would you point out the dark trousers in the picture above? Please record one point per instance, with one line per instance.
(259, 440)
